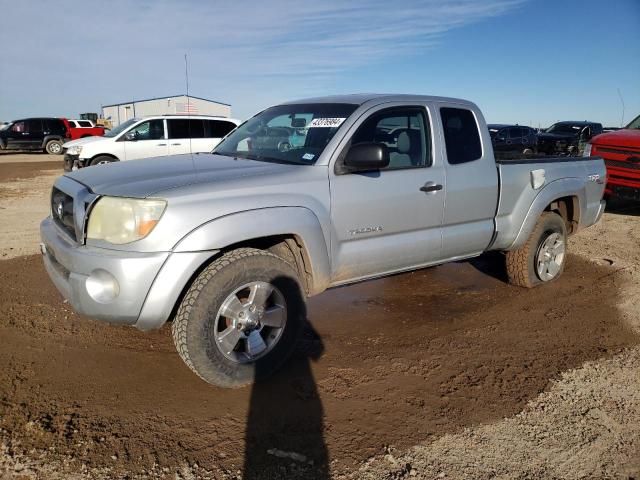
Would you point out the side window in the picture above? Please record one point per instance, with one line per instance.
(54, 126)
(516, 133)
(461, 135)
(404, 131)
(217, 128)
(18, 127)
(34, 126)
(85, 123)
(149, 130)
(72, 124)
(186, 128)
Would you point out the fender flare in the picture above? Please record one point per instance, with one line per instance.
(562, 188)
(48, 138)
(234, 228)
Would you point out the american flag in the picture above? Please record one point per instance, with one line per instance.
(186, 107)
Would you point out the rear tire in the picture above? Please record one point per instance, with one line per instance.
(215, 311)
(102, 160)
(53, 147)
(541, 259)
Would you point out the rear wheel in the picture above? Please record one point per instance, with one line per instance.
(240, 318)
(541, 259)
(53, 147)
(102, 160)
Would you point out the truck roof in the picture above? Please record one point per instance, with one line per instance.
(361, 98)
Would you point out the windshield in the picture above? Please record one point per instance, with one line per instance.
(635, 123)
(287, 133)
(565, 128)
(120, 128)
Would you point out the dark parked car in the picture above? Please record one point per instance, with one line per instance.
(513, 139)
(46, 134)
(567, 138)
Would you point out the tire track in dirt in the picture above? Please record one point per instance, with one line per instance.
(406, 359)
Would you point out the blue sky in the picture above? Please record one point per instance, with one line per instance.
(525, 61)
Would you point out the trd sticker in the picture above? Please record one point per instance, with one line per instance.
(326, 122)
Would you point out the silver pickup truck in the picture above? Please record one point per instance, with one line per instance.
(302, 197)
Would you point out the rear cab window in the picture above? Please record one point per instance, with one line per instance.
(461, 135)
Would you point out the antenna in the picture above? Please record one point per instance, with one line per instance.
(186, 77)
(622, 102)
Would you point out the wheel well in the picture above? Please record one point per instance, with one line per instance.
(103, 155)
(569, 209)
(289, 247)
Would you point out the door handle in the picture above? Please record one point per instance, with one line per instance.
(175, 144)
(161, 145)
(431, 187)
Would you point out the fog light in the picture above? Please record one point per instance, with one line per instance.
(102, 286)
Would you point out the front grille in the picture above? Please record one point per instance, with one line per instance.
(62, 211)
(627, 193)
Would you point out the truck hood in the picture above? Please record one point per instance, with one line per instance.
(146, 177)
(619, 138)
(84, 141)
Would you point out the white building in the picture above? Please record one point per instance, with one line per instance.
(178, 104)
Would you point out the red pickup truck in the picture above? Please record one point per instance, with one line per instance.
(621, 152)
(84, 128)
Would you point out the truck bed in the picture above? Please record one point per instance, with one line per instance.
(519, 203)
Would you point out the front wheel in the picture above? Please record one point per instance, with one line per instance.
(240, 319)
(541, 259)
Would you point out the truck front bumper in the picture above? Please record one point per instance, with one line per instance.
(116, 286)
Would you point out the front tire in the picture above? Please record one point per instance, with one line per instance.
(541, 259)
(53, 147)
(240, 319)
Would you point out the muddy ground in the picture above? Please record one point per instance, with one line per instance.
(395, 377)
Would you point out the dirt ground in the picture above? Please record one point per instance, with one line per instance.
(446, 372)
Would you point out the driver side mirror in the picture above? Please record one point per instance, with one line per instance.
(368, 156)
(131, 136)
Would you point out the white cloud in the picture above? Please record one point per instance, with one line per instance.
(111, 51)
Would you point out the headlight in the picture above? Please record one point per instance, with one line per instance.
(587, 150)
(74, 150)
(123, 220)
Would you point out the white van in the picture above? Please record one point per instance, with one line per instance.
(155, 136)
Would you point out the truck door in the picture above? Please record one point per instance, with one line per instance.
(147, 139)
(389, 220)
(472, 183)
(15, 135)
